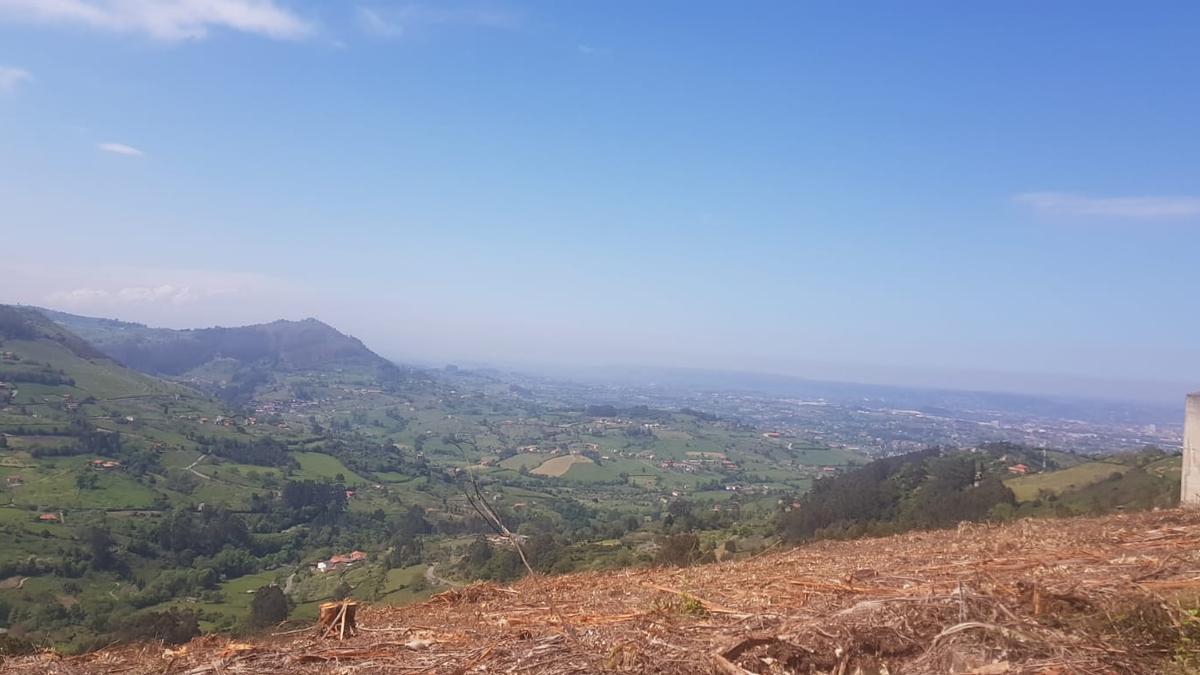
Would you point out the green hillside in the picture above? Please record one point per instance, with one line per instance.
(1077, 477)
(174, 501)
(133, 503)
(235, 364)
(940, 488)
(1142, 480)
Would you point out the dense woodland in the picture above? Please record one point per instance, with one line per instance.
(926, 489)
(940, 487)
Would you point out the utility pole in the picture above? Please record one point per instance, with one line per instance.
(1189, 489)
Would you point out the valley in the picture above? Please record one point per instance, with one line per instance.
(309, 462)
(161, 501)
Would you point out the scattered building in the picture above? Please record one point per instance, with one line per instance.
(341, 560)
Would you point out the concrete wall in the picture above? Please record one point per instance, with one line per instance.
(1190, 489)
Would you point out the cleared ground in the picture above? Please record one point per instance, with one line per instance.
(1087, 595)
(560, 465)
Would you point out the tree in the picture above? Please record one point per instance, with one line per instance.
(172, 627)
(406, 553)
(269, 607)
(100, 545)
(479, 552)
(680, 516)
(679, 550)
(205, 533)
(412, 523)
(182, 481)
(343, 590)
(86, 480)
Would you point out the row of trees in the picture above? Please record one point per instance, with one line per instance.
(262, 451)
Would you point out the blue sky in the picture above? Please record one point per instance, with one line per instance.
(990, 192)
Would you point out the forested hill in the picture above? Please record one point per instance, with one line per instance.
(940, 488)
(286, 345)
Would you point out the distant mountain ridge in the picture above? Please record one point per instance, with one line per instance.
(28, 323)
(284, 345)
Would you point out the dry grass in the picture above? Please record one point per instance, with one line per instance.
(1094, 595)
(558, 466)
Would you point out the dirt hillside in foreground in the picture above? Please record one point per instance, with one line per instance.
(1084, 595)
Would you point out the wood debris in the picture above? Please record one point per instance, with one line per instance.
(338, 619)
(1084, 595)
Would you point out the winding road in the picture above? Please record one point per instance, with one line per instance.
(434, 580)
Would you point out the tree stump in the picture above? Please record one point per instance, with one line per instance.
(337, 619)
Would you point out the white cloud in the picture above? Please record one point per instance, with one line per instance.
(161, 294)
(175, 297)
(1141, 208)
(588, 50)
(11, 77)
(395, 21)
(80, 296)
(148, 293)
(120, 149)
(136, 295)
(168, 20)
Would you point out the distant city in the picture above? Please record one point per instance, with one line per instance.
(883, 420)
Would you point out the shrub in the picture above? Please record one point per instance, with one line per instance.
(679, 550)
(172, 627)
(269, 607)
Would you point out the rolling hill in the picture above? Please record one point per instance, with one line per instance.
(64, 403)
(285, 345)
(236, 364)
(39, 354)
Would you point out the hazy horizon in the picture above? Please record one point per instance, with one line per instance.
(989, 198)
(928, 378)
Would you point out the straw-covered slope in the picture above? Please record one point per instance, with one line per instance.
(1047, 596)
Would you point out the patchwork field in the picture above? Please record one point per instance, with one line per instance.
(559, 466)
(1080, 475)
(317, 465)
(529, 460)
